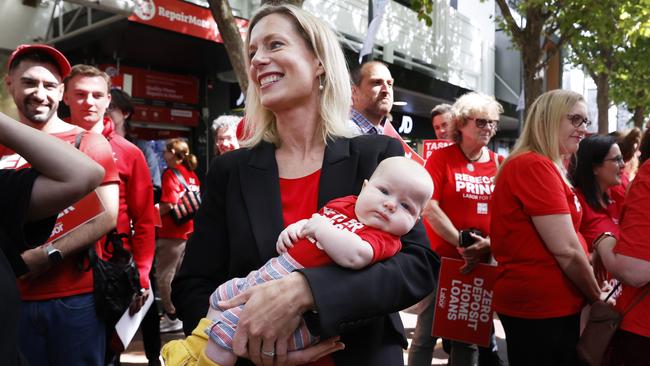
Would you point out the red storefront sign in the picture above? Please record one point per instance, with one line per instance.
(464, 303)
(156, 114)
(155, 85)
(428, 146)
(181, 17)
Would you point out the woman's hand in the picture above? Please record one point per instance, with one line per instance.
(138, 301)
(273, 311)
(474, 253)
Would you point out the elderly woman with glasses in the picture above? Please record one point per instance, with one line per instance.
(463, 177)
(544, 276)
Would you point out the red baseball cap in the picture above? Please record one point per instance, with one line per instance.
(61, 62)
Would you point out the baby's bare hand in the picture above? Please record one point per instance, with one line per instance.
(289, 236)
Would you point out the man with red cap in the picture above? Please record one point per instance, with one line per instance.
(88, 96)
(59, 324)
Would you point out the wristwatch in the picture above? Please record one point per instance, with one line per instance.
(54, 255)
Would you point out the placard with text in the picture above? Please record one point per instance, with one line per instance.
(464, 303)
(76, 215)
(429, 146)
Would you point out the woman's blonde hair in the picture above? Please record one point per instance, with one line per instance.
(470, 105)
(335, 97)
(541, 133)
(181, 151)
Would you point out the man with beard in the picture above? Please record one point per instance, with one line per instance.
(87, 94)
(372, 97)
(59, 324)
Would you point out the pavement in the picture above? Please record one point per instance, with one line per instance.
(134, 355)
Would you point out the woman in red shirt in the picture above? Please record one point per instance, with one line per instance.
(599, 166)
(299, 156)
(544, 275)
(463, 177)
(170, 244)
(629, 261)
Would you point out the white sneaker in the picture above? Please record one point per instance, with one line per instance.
(168, 325)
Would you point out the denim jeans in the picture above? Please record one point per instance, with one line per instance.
(64, 331)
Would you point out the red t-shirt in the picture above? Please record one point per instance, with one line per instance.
(299, 199)
(633, 242)
(340, 212)
(136, 208)
(172, 189)
(463, 195)
(530, 284)
(596, 222)
(66, 279)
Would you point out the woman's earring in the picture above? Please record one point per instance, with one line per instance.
(320, 83)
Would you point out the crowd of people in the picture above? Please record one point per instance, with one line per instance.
(312, 236)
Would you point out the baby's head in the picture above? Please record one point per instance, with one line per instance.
(394, 196)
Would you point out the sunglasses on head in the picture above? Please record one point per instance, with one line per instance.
(482, 122)
(577, 120)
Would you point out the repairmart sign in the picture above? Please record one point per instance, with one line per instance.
(181, 17)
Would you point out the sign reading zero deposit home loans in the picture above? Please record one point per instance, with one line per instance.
(464, 303)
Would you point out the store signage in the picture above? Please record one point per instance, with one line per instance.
(155, 85)
(181, 17)
(463, 309)
(428, 146)
(160, 114)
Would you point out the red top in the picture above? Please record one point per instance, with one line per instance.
(136, 209)
(172, 189)
(633, 242)
(463, 195)
(340, 212)
(299, 199)
(66, 279)
(596, 222)
(530, 284)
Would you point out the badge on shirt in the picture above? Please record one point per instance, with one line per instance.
(577, 203)
(482, 208)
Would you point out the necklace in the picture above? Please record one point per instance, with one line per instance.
(470, 166)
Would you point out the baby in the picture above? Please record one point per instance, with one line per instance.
(352, 232)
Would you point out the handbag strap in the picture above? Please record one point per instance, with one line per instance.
(636, 300)
(180, 178)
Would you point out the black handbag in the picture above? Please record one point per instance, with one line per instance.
(187, 205)
(116, 280)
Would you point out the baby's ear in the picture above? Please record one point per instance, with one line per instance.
(365, 183)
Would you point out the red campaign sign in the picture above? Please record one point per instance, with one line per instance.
(156, 114)
(76, 215)
(429, 146)
(181, 17)
(464, 303)
(389, 130)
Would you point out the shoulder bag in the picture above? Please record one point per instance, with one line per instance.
(602, 323)
(115, 281)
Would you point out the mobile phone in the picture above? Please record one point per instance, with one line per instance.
(465, 239)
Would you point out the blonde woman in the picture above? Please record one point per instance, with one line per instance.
(299, 157)
(544, 277)
(170, 244)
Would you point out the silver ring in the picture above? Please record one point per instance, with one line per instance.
(269, 353)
